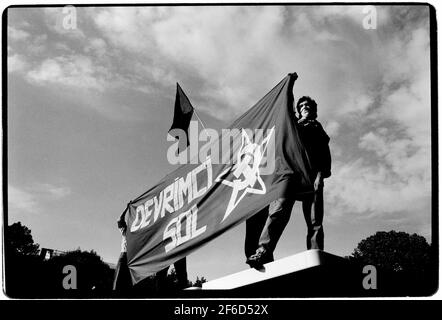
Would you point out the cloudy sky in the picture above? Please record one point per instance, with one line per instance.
(89, 109)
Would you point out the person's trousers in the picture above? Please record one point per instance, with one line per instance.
(181, 274)
(254, 226)
(122, 278)
(313, 209)
(266, 227)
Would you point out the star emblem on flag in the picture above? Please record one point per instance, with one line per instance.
(245, 176)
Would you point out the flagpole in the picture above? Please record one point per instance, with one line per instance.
(201, 121)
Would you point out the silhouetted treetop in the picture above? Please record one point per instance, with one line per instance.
(395, 251)
(19, 240)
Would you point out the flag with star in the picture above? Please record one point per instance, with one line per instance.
(201, 200)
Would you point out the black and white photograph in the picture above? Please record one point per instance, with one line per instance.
(220, 150)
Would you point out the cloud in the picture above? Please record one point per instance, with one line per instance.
(225, 53)
(404, 157)
(15, 34)
(88, 80)
(360, 189)
(52, 192)
(233, 55)
(16, 63)
(407, 84)
(72, 70)
(31, 199)
(38, 46)
(383, 163)
(395, 176)
(332, 128)
(355, 13)
(21, 200)
(97, 47)
(372, 86)
(239, 53)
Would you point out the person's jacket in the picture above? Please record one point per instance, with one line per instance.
(315, 141)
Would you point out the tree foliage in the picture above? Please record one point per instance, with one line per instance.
(94, 275)
(19, 241)
(395, 251)
(199, 282)
(28, 275)
(406, 264)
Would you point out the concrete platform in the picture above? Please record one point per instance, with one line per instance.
(301, 261)
(312, 273)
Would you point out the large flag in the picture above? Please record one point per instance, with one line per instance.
(261, 159)
(182, 113)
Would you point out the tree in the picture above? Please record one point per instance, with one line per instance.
(199, 282)
(23, 266)
(30, 276)
(405, 263)
(93, 274)
(395, 251)
(19, 241)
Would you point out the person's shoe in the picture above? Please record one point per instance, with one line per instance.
(259, 258)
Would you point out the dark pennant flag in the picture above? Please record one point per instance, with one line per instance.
(182, 113)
